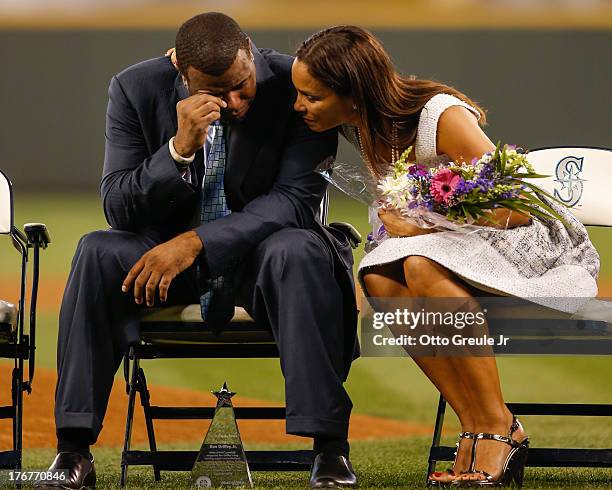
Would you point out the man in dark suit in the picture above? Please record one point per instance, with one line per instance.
(209, 187)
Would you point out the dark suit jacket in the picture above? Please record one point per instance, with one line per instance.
(269, 180)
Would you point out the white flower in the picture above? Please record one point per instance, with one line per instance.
(486, 158)
(395, 191)
(390, 184)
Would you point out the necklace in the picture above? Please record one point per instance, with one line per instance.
(394, 149)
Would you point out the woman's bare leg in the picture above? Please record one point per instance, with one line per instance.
(388, 281)
(471, 382)
(426, 278)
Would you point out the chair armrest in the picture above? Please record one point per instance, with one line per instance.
(8, 314)
(351, 233)
(37, 234)
(37, 238)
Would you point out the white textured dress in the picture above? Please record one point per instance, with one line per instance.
(542, 260)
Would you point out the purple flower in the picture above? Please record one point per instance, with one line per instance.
(464, 187)
(507, 195)
(484, 184)
(487, 171)
(418, 170)
(381, 231)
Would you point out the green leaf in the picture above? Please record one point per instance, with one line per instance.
(503, 161)
(539, 190)
(497, 157)
(542, 204)
(525, 209)
(529, 176)
(538, 212)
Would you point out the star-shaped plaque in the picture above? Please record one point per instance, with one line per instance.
(224, 396)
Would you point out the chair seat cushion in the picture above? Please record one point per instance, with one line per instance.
(187, 314)
(8, 321)
(184, 324)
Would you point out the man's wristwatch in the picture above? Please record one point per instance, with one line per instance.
(180, 160)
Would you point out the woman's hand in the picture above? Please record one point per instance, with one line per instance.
(172, 54)
(505, 218)
(396, 226)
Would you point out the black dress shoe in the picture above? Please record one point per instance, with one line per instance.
(81, 472)
(331, 470)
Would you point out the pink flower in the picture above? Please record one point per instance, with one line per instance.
(443, 185)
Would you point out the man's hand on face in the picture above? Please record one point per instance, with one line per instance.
(195, 114)
(160, 265)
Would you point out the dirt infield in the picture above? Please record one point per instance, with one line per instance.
(39, 428)
(52, 288)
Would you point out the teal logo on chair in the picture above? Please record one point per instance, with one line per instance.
(567, 174)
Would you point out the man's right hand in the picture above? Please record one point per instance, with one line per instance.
(195, 114)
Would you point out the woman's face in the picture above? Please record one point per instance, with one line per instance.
(320, 106)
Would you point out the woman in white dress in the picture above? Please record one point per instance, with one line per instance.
(344, 78)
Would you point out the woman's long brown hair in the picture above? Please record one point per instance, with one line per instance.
(352, 62)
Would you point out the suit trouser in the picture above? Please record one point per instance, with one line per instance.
(287, 282)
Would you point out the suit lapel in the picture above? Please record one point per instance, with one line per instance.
(245, 138)
(241, 152)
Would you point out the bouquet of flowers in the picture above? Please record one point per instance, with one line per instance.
(452, 196)
(456, 194)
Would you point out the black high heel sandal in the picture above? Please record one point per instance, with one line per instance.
(514, 465)
(431, 482)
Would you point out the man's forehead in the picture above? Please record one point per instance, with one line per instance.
(233, 76)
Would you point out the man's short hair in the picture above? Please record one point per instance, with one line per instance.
(209, 43)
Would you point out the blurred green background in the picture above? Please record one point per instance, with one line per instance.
(538, 67)
(389, 387)
(401, 390)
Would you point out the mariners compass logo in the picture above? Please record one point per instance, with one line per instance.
(567, 174)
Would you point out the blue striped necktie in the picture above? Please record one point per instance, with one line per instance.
(217, 301)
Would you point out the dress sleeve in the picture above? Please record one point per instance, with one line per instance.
(425, 146)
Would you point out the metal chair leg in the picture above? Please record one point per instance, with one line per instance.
(436, 435)
(17, 401)
(130, 417)
(126, 372)
(146, 406)
(14, 403)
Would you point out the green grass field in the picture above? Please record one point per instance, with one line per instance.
(68, 217)
(379, 464)
(388, 387)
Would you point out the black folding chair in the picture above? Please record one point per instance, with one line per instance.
(179, 332)
(15, 342)
(580, 177)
